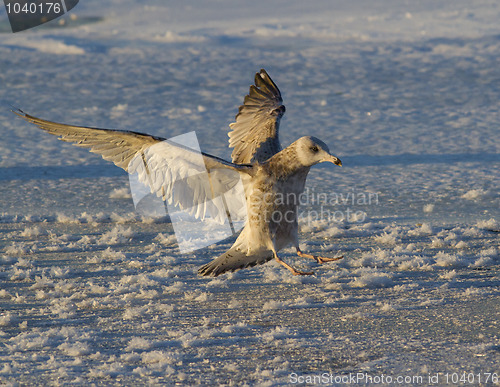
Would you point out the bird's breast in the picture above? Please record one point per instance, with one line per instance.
(271, 200)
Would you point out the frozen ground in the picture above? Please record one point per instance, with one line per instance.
(405, 93)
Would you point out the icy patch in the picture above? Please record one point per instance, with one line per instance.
(386, 307)
(474, 194)
(372, 279)
(138, 343)
(437, 243)
(167, 240)
(30, 232)
(387, 238)
(358, 316)
(272, 305)
(278, 333)
(74, 349)
(19, 248)
(449, 275)
(118, 235)
(118, 110)
(62, 218)
(449, 260)
(172, 37)
(49, 46)
(428, 208)
(486, 258)
(423, 229)
(374, 258)
(490, 224)
(462, 245)
(7, 319)
(111, 255)
(120, 193)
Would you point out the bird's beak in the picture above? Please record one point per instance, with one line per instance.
(333, 159)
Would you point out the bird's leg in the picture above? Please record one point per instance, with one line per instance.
(317, 258)
(294, 271)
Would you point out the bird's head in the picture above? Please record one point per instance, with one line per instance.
(312, 151)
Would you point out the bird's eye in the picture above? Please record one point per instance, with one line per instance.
(314, 149)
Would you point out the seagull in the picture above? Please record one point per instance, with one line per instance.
(273, 178)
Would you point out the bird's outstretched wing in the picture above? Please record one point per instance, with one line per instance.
(196, 182)
(117, 146)
(254, 135)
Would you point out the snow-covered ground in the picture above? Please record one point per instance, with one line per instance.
(405, 93)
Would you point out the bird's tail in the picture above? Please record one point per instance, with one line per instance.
(234, 259)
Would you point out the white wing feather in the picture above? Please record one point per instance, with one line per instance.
(193, 181)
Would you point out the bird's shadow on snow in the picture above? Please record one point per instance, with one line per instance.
(410, 158)
(56, 172)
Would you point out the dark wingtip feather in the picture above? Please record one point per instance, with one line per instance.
(17, 111)
(23, 115)
(264, 82)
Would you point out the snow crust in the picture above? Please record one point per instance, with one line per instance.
(405, 93)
